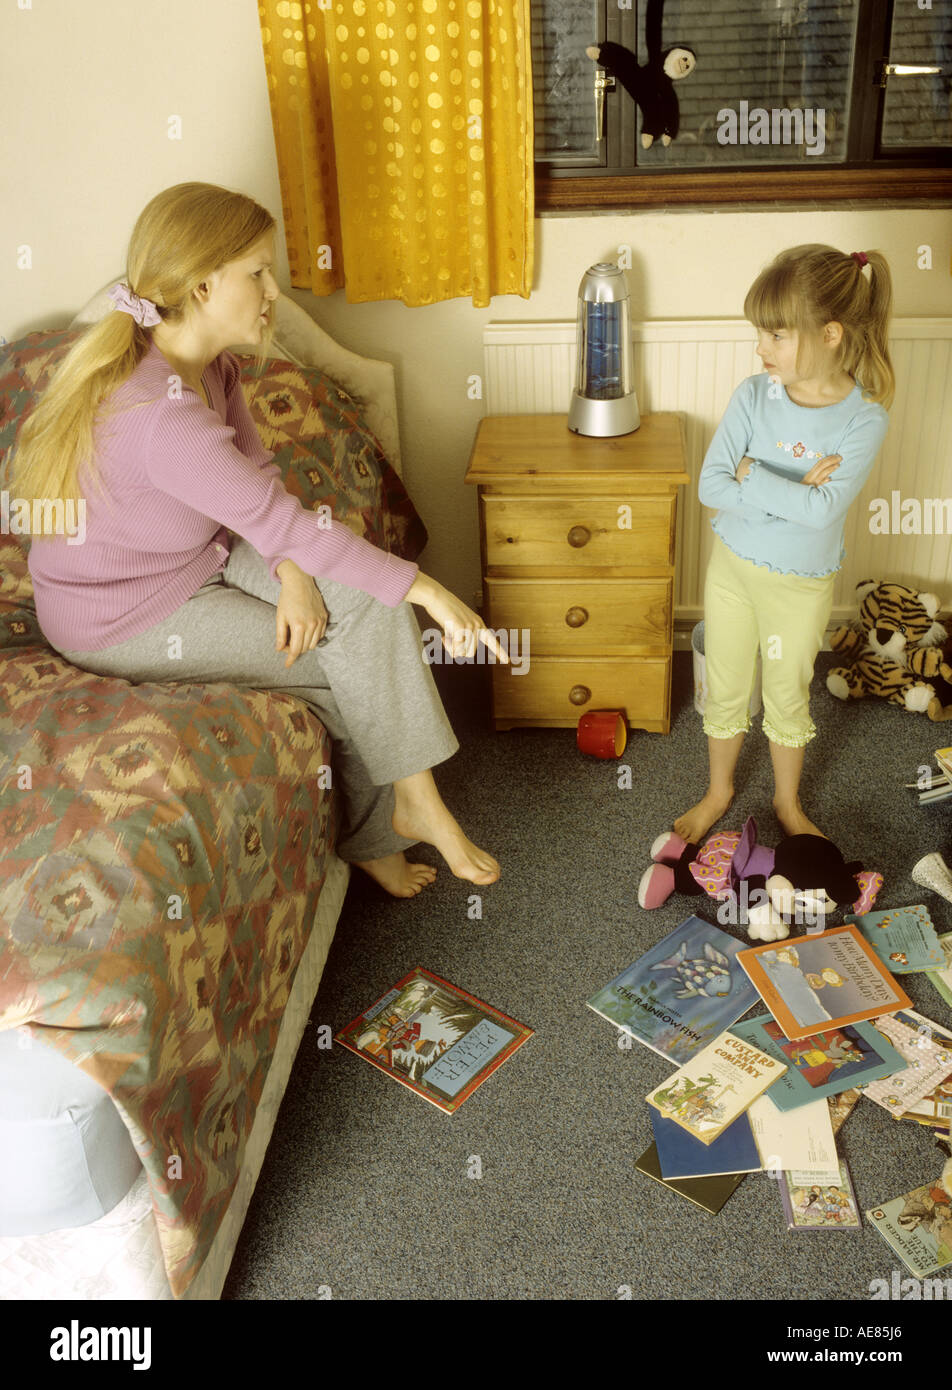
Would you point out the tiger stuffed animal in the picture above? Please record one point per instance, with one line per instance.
(894, 651)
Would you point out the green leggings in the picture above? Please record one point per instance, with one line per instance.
(747, 606)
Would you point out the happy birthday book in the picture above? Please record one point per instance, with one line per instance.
(826, 980)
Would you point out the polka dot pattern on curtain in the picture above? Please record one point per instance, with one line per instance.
(403, 131)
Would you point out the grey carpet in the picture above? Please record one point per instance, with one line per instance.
(365, 1188)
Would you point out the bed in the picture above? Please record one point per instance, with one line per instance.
(143, 1060)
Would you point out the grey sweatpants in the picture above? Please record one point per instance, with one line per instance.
(366, 680)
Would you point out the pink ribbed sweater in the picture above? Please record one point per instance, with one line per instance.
(176, 475)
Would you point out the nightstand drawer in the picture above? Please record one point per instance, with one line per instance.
(584, 617)
(544, 695)
(579, 533)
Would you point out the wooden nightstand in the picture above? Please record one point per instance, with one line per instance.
(577, 540)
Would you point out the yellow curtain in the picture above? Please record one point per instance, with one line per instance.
(404, 136)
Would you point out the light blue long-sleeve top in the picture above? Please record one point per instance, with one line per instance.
(770, 517)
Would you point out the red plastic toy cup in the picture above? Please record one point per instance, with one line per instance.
(603, 733)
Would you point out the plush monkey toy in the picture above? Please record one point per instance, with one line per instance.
(651, 87)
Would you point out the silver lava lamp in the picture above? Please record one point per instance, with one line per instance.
(604, 401)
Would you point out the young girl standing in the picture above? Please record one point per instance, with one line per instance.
(792, 452)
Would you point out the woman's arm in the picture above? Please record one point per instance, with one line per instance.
(194, 460)
(462, 628)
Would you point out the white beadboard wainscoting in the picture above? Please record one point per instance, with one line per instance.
(693, 366)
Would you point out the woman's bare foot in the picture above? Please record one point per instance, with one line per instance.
(421, 814)
(795, 821)
(400, 878)
(695, 824)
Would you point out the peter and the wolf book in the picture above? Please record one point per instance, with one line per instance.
(434, 1038)
(682, 993)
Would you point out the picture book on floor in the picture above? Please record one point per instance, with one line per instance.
(681, 994)
(434, 1038)
(903, 938)
(709, 1193)
(918, 1226)
(934, 1109)
(824, 1063)
(680, 1155)
(819, 1206)
(938, 787)
(927, 1049)
(828, 980)
(794, 1139)
(842, 1105)
(720, 1083)
(942, 978)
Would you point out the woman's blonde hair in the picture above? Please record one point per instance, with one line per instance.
(180, 238)
(806, 287)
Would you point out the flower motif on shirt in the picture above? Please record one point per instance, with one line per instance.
(799, 450)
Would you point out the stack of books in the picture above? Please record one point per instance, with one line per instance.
(937, 786)
(769, 1093)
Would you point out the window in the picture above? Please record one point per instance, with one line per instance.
(789, 99)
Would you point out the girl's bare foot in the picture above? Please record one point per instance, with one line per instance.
(421, 814)
(695, 824)
(394, 873)
(794, 820)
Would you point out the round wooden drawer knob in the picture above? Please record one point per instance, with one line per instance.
(579, 536)
(580, 694)
(577, 617)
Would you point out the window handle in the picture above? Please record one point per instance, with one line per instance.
(887, 70)
(603, 81)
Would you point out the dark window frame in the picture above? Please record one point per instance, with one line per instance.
(920, 173)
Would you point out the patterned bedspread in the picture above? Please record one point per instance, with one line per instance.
(163, 846)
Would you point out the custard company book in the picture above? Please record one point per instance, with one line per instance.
(680, 994)
(434, 1038)
(824, 981)
(716, 1086)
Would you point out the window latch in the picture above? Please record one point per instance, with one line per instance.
(887, 70)
(603, 82)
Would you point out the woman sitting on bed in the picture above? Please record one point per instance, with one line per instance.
(160, 591)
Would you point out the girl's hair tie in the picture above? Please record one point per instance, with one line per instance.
(142, 310)
(860, 258)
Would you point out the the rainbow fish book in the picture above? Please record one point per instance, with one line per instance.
(681, 994)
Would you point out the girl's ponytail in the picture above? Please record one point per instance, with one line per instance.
(874, 367)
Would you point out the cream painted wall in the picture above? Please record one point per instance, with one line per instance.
(89, 88)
